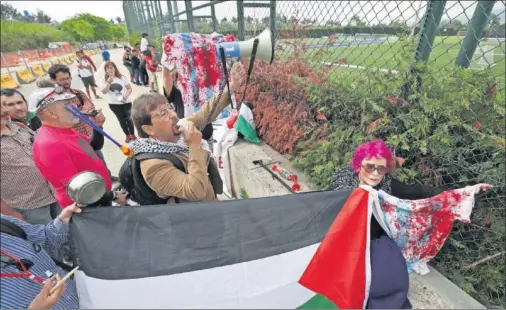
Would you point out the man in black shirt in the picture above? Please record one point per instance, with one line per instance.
(128, 63)
(135, 61)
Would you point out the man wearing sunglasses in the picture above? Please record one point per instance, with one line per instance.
(60, 75)
(26, 266)
(59, 151)
(184, 169)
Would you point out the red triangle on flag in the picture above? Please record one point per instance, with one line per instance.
(340, 268)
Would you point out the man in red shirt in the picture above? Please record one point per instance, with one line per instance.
(59, 151)
(151, 66)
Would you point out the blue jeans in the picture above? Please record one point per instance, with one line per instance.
(136, 76)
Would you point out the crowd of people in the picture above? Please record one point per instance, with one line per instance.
(44, 145)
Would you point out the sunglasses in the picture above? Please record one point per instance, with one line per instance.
(6, 261)
(57, 91)
(370, 168)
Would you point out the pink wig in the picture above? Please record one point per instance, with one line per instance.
(372, 149)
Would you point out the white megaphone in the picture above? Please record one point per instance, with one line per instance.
(236, 49)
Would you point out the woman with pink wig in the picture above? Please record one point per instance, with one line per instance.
(372, 165)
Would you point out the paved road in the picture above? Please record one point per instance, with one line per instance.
(113, 155)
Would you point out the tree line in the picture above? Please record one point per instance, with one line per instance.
(36, 31)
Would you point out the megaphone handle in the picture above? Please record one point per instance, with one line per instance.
(225, 72)
(251, 63)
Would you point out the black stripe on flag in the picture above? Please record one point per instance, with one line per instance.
(136, 242)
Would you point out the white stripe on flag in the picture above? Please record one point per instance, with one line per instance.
(270, 282)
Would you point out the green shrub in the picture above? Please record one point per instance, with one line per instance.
(450, 133)
(23, 35)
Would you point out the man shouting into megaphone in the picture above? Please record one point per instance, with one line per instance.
(170, 164)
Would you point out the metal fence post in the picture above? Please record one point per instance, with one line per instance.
(189, 15)
(273, 20)
(214, 20)
(159, 18)
(429, 26)
(240, 20)
(149, 21)
(171, 17)
(475, 29)
(176, 18)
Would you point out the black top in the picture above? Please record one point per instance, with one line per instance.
(135, 61)
(403, 191)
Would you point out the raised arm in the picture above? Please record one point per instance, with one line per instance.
(203, 116)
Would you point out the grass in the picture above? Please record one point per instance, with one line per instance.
(244, 194)
(385, 55)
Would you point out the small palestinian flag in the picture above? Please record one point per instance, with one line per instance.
(245, 124)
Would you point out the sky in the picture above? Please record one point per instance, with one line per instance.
(61, 10)
(372, 11)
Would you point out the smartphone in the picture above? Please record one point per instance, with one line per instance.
(62, 281)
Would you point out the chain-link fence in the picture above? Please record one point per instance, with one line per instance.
(426, 76)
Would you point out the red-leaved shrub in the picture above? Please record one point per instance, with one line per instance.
(281, 111)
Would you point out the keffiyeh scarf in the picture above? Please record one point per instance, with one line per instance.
(150, 145)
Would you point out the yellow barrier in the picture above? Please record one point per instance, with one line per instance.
(70, 59)
(46, 65)
(7, 81)
(38, 71)
(63, 61)
(25, 76)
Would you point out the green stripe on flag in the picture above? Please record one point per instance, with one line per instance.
(318, 302)
(247, 130)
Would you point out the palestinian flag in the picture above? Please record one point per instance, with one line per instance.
(245, 124)
(282, 252)
(234, 254)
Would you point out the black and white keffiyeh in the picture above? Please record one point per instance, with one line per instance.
(150, 145)
(346, 179)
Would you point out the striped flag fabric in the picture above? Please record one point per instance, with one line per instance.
(245, 123)
(240, 254)
(302, 251)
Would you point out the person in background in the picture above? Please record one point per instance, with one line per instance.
(60, 75)
(59, 151)
(14, 103)
(134, 59)
(156, 124)
(29, 250)
(44, 82)
(151, 66)
(144, 43)
(127, 62)
(88, 59)
(143, 73)
(372, 165)
(24, 191)
(85, 70)
(106, 56)
(118, 89)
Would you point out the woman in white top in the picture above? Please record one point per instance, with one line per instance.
(118, 89)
